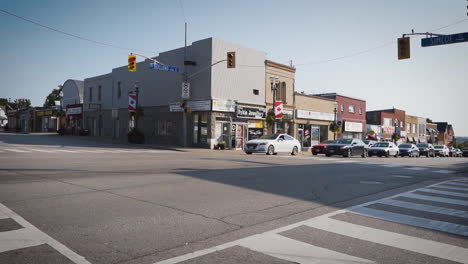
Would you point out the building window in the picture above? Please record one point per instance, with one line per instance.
(408, 127)
(413, 128)
(351, 108)
(387, 122)
(119, 89)
(165, 127)
(281, 92)
(342, 107)
(99, 96)
(255, 91)
(90, 94)
(360, 110)
(401, 124)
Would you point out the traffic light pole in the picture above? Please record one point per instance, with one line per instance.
(185, 79)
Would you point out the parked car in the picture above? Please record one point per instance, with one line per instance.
(465, 152)
(409, 150)
(369, 142)
(320, 148)
(452, 152)
(347, 147)
(384, 149)
(441, 151)
(459, 152)
(426, 149)
(273, 144)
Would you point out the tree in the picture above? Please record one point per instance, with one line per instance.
(52, 97)
(21, 103)
(428, 120)
(3, 101)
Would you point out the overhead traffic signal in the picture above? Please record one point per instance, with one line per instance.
(231, 59)
(132, 63)
(404, 48)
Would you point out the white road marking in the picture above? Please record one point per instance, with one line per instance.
(435, 199)
(401, 176)
(18, 150)
(391, 165)
(296, 251)
(67, 151)
(426, 208)
(458, 184)
(445, 171)
(444, 192)
(423, 246)
(30, 235)
(371, 182)
(346, 161)
(416, 168)
(452, 188)
(42, 150)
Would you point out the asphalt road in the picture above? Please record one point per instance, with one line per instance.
(68, 200)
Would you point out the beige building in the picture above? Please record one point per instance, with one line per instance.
(412, 127)
(313, 116)
(280, 77)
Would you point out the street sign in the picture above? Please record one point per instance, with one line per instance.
(132, 100)
(160, 67)
(443, 40)
(278, 110)
(185, 90)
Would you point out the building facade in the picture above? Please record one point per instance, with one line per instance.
(412, 129)
(392, 121)
(351, 115)
(446, 135)
(422, 130)
(431, 133)
(72, 105)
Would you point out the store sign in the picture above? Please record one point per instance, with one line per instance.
(203, 105)
(306, 114)
(39, 113)
(44, 113)
(74, 111)
(353, 127)
(288, 114)
(250, 112)
(255, 123)
(388, 130)
(224, 105)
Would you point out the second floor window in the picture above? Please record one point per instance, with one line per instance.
(342, 107)
(281, 92)
(119, 90)
(90, 94)
(99, 96)
(360, 110)
(351, 108)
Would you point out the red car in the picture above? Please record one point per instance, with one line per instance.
(320, 148)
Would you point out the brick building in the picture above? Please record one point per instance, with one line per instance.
(391, 120)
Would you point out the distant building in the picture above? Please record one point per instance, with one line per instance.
(446, 135)
(431, 133)
(391, 121)
(3, 117)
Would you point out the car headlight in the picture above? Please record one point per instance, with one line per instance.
(262, 144)
(344, 147)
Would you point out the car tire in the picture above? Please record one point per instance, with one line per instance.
(427, 155)
(294, 151)
(248, 153)
(313, 153)
(396, 155)
(349, 153)
(364, 154)
(387, 154)
(270, 150)
(369, 155)
(327, 155)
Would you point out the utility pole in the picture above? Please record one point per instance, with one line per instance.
(136, 105)
(185, 79)
(335, 126)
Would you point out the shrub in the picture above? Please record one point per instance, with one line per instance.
(135, 136)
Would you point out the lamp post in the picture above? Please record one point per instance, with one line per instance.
(334, 129)
(136, 105)
(274, 88)
(395, 130)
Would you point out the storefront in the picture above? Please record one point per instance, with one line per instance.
(249, 124)
(74, 119)
(353, 130)
(284, 125)
(313, 127)
(46, 121)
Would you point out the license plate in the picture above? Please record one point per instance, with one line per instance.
(331, 151)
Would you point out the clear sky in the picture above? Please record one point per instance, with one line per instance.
(433, 83)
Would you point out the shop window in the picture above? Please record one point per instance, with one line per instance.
(200, 128)
(90, 94)
(119, 89)
(281, 92)
(408, 127)
(99, 96)
(165, 127)
(351, 108)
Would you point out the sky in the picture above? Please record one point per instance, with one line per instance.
(324, 40)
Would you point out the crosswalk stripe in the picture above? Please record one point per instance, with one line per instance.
(458, 184)
(451, 188)
(423, 246)
(402, 176)
(43, 150)
(391, 165)
(435, 199)
(20, 238)
(296, 251)
(444, 171)
(17, 150)
(444, 192)
(426, 208)
(416, 168)
(414, 221)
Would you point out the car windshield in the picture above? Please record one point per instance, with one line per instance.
(404, 146)
(328, 142)
(439, 147)
(344, 141)
(366, 141)
(422, 145)
(268, 137)
(381, 145)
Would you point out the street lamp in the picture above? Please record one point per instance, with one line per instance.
(274, 88)
(335, 110)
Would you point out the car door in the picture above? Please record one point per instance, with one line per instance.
(289, 143)
(280, 143)
(358, 147)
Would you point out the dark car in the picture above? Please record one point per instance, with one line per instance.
(369, 142)
(426, 149)
(409, 150)
(465, 152)
(347, 147)
(320, 148)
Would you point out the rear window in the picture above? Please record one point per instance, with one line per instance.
(422, 145)
(404, 146)
(439, 147)
(381, 145)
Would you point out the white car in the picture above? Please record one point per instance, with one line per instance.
(273, 144)
(383, 149)
(441, 150)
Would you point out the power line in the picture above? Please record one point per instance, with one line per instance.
(72, 35)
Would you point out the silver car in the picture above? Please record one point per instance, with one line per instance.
(384, 149)
(273, 144)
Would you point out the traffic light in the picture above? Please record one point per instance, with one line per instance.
(231, 59)
(404, 48)
(132, 63)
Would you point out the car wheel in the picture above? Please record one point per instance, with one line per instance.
(313, 153)
(387, 154)
(294, 151)
(369, 155)
(364, 154)
(271, 150)
(427, 155)
(248, 153)
(349, 153)
(327, 155)
(396, 155)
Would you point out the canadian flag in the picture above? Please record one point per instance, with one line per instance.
(278, 110)
(132, 102)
